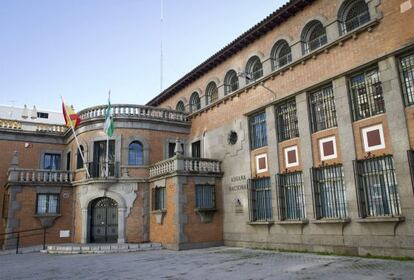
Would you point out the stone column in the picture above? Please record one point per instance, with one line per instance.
(121, 224)
(84, 238)
(347, 143)
(305, 150)
(397, 126)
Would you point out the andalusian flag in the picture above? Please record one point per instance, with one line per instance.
(109, 122)
(71, 118)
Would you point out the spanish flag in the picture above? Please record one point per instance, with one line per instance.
(71, 118)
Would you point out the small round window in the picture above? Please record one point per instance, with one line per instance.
(232, 137)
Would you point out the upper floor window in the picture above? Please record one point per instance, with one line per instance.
(352, 14)
(322, 109)
(51, 161)
(47, 204)
(231, 82)
(42, 115)
(79, 160)
(180, 106)
(195, 103)
(407, 77)
(260, 200)
(366, 94)
(135, 153)
(205, 197)
(329, 192)
(290, 193)
(287, 120)
(258, 132)
(211, 93)
(68, 157)
(281, 54)
(196, 149)
(254, 69)
(377, 187)
(313, 36)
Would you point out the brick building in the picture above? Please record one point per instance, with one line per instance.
(297, 135)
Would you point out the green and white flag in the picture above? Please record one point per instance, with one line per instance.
(109, 122)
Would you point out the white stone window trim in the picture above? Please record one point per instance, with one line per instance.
(364, 132)
(321, 150)
(288, 149)
(258, 157)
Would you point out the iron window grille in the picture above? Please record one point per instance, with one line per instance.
(328, 190)
(322, 109)
(47, 204)
(254, 69)
(407, 78)
(290, 196)
(354, 16)
(205, 197)
(180, 106)
(231, 82)
(281, 55)
(260, 200)
(287, 120)
(158, 198)
(314, 37)
(211, 93)
(258, 132)
(377, 187)
(410, 154)
(366, 95)
(195, 103)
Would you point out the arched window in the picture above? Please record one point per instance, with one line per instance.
(211, 93)
(194, 102)
(352, 14)
(135, 153)
(180, 106)
(79, 161)
(231, 82)
(281, 54)
(254, 69)
(313, 36)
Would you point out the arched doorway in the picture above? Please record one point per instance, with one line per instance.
(104, 220)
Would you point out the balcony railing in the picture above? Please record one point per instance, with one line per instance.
(134, 111)
(23, 175)
(315, 44)
(52, 128)
(281, 61)
(10, 124)
(185, 165)
(98, 169)
(355, 22)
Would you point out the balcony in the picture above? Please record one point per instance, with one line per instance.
(98, 170)
(134, 112)
(185, 165)
(27, 176)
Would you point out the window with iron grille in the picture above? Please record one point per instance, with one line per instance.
(322, 109)
(254, 69)
(211, 93)
(329, 192)
(260, 199)
(410, 154)
(352, 14)
(47, 204)
(231, 82)
(180, 106)
(195, 103)
(407, 77)
(313, 36)
(158, 198)
(258, 132)
(290, 194)
(366, 95)
(287, 120)
(205, 197)
(281, 54)
(377, 187)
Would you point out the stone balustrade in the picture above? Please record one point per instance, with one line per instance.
(185, 165)
(39, 175)
(53, 128)
(11, 124)
(134, 111)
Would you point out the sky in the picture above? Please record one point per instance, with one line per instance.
(81, 49)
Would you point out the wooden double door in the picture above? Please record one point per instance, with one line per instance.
(104, 221)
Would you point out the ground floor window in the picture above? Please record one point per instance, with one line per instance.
(260, 199)
(377, 187)
(410, 154)
(329, 192)
(158, 198)
(47, 204)
(205, 197)
(290, 194)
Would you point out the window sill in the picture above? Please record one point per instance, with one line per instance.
(205, 209)
(47, 219)
(159, 215)
(206, 214)
(160, 211)
(292, 222)
(331, 221)
(263, 223)
(39, 215)
(381, 219)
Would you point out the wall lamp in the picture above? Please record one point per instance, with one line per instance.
(248, 76)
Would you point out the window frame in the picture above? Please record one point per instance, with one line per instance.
(47, 201)
(208, 192)
(325, 98)
(290, 187)
(408, 95)
(255, 142)
(284, 121)
(343, 14)
(266, 208)
(228, 84)
(136, 157)
(58, 162)
(159, 198)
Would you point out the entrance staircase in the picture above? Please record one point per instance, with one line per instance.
(100, 248)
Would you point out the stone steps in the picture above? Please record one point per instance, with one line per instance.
(100, 248)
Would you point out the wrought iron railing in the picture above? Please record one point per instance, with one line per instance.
(260, 200)
(17, 236)
(314, 44)
(281, 61)
(290, 194)
(355, 22)
(98, 169)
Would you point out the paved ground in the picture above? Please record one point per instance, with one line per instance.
(214, 263)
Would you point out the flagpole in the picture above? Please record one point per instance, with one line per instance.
(77, 141)
(107, 141)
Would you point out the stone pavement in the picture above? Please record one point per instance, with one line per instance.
(213, 263)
